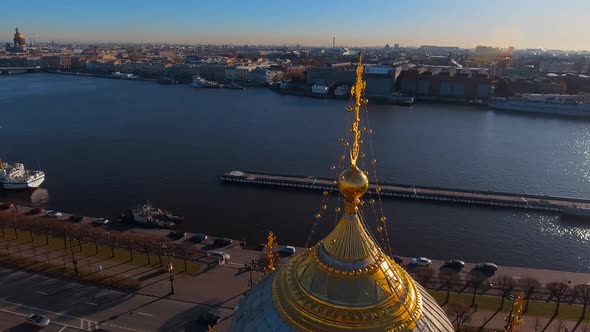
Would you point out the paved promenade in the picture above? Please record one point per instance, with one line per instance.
(74, 306)
(217, 289)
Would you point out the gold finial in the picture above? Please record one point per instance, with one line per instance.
(357, 91)
(514, 318)
(271, 256)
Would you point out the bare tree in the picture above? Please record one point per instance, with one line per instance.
(475, 281)
(187, 251)
(14, 223)
(529, 286)
(460, 312)
(506, 285)
(97, 236)
(557, 290)
(424, 275)
(130, 240)
(146, 243)
(582, 292)
(3, 224)
(448, 277)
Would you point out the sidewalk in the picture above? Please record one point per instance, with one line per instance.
(231, 280)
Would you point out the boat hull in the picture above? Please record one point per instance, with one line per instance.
(540, 108)
(23, 184)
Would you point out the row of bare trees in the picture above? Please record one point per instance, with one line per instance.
(504, 286)
(78, 233)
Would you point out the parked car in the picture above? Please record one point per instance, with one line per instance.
(100, 221)
(209, 319)
(287, 250)
(487, 267)
(177, 235)
(76, 217)
(6, 206)
(37, 210)
(398, 259)
(421, 261)
(219, 254)
(199, 237)
(38, 320)
(53, 214)
(222, 241)
(455, 263)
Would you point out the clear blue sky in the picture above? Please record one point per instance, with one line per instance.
(522, 23)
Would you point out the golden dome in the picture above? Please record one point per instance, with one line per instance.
(353, 183)
(345, 282)
(19, 38)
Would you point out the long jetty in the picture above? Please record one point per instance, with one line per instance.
(568, 205)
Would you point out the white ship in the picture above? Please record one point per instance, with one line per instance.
(572, 105)
(198, 82)
(17, 177)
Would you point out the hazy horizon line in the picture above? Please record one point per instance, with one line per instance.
(314, 45)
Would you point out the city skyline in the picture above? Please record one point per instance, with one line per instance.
(525, 24)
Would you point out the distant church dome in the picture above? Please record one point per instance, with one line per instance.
(19, 39)
(345, 282)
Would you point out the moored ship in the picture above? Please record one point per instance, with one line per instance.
(400, 99)
(17, 177)
(147, 215)
(571, 105)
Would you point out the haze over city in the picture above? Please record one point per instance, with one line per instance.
(503, 23)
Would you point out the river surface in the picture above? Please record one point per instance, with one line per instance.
(107, 144)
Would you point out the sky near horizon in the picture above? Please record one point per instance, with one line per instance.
(521, 23)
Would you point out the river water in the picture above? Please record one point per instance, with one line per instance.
(106, 145)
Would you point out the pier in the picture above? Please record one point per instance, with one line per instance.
(569, 205)
(20, 70)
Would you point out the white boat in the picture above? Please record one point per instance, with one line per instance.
(572, 105)
(400, 99)
(17, 177)
(320, 89)
(198, 82)
(53, 214)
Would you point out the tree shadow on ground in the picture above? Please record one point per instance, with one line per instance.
(66, 297)
(188, 320)
(23, 327)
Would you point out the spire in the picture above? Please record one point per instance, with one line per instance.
(353, 182)
(357, 91)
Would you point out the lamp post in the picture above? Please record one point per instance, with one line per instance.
(251, 265)
(74, 260)
(171, 277)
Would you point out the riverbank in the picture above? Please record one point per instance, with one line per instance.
(236, 248)
(143, 267)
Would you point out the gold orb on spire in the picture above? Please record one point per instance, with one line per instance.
(353, 183)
